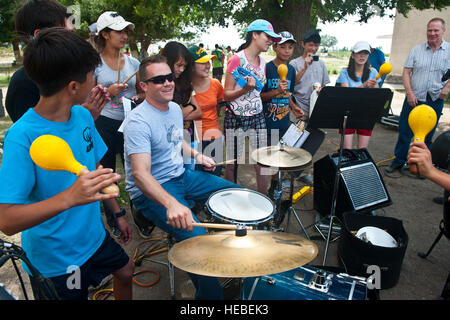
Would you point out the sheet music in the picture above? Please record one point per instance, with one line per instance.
(126, 110)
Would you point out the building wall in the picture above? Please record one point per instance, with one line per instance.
(411, 31)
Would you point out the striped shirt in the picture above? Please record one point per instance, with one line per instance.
(428, 69)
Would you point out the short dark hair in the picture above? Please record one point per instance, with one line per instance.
(157, 58)
(56, 57)
(39, 14)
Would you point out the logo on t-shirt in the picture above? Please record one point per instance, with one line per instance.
(88, 138)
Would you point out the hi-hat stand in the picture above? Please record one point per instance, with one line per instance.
(291, 210)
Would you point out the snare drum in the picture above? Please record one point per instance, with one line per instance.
(240, 206)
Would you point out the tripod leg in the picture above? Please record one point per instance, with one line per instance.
(425, 255)
(291, 209)
(330, 231)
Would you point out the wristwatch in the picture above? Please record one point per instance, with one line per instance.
(119, 214)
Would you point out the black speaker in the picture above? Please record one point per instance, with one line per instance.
(361, 188)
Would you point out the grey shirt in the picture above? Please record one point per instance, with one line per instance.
(158, 133)
(105, 76)
(316, 72)
(428, 69)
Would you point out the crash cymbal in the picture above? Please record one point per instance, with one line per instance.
(223, 254)
(286, 158)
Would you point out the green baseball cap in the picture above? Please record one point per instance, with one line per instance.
(200, 55)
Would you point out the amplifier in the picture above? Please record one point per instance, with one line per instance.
(361, 187)
(306, 283)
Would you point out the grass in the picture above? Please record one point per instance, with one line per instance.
(4, 81)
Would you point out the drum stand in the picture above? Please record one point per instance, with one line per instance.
(280, 215)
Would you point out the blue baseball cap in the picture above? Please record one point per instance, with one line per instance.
(266, 27)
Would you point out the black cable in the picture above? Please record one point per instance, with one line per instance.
(12, 251)
(20, 279)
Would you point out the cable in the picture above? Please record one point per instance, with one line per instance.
(14, 252)
(156, 248)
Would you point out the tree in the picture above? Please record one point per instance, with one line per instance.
(157, 20)
(298, 16)
(8, 9)
(328, 41)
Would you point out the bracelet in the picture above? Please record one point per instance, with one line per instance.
(121, 213)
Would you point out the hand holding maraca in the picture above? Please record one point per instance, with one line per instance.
(86, 189)
(422, 119)
(282, 72)
(53, 153)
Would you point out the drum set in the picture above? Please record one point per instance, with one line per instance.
(244, 251)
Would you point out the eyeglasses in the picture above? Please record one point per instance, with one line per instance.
(114, 14)
(161, 79)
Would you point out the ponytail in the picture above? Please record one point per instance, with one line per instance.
(248, 40)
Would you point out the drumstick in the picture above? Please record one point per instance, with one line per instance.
(218, 226)
(226, 162)
(118, 68)
(128, 79)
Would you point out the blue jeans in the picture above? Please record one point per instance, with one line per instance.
(405, 133)
(190, 186)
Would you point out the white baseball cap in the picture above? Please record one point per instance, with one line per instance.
(361, 46)
(112, 20)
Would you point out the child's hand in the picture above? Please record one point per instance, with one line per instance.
(86, 189)
(282, 86)
(251, 83)
(117, 89)
(96, 100)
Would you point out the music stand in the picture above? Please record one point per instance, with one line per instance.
(347, 108)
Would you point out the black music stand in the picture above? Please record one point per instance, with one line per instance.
(347, 108)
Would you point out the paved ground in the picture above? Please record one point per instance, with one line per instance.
(412, 204)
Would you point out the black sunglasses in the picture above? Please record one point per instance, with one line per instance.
(161, 79)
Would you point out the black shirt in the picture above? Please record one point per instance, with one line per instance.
(22, 94)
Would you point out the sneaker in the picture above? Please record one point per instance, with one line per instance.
(405, 170)
(145, 231)
(394, 167)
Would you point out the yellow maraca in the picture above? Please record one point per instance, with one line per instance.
(421, 120)
(385, 69)
(282, 71)
(53, 153)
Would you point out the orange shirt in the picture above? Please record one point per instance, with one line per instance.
(208, 127)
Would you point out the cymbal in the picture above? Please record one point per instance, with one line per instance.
(288, 158)
(223, 254)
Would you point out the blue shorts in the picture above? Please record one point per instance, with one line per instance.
(109, 258)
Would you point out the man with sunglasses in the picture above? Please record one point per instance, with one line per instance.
(159, 185)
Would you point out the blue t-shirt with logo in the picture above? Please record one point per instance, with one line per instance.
(71, 237)
(276, 110)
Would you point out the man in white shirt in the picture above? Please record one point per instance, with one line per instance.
(422, 79)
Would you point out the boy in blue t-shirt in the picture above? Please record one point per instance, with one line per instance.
(58, 214)
(276, 94)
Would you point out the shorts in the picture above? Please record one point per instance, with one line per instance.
(361, 132)
(109, 258)
(237, 128)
